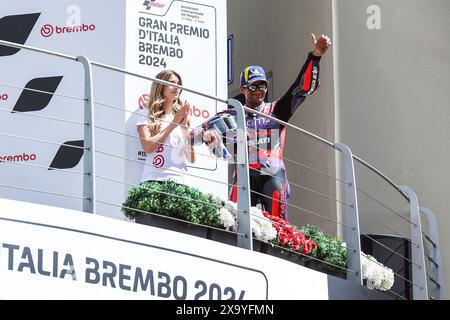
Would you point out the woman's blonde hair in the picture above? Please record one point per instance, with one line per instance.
(156, 101)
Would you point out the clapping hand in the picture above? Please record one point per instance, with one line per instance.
(320, 45)
(182, 115)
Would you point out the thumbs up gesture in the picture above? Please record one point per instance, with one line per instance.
(320, 45)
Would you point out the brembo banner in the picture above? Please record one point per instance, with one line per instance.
(42, 96)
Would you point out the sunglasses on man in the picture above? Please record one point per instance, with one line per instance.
(253, 87)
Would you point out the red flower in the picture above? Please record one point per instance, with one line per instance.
(289, 236)
(310, 245)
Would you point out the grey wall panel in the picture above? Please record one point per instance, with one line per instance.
(393, 103)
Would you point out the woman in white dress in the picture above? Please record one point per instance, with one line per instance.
(164, 132)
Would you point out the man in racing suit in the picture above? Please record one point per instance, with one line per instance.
(268, 181)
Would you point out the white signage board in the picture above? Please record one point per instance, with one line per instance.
(54, 253)
(79, 28)
(188, 37)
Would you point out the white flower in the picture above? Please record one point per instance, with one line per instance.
(227, 219)
(366, 267)
(261, 226)
(388, 280)
(231, 206)
(378, 276)
(216, 199)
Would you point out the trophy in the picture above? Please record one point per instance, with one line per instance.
(224, 123)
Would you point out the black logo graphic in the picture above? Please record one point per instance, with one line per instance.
(16, 29)
(67, 156)
(35, 101)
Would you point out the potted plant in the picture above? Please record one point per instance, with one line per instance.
(154, 203)
(330, 253)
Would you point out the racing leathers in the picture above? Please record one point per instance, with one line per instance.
(268, 182)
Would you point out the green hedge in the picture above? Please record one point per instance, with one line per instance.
(189, 203)
(329, 249)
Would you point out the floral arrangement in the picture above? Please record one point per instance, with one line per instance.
(377, 275)
(307, 240)
(262, 228)
(268, 228)
(187, 203)
(289, 237)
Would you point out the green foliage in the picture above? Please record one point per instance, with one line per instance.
(172, 199)
(329, 249)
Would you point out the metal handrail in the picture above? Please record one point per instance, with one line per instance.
(170, 170)
(41, 91)
(325, 141)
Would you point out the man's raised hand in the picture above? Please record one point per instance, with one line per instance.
(320, 45)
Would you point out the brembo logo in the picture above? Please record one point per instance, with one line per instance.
(198, 113)
(18, 158)
(152, 3)
(48, 30)
(3, 96)
(194, 111)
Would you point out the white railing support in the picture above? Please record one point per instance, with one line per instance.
(244, 218)
(352, 235)
(435, 253)
(89, 184)
(419, 276)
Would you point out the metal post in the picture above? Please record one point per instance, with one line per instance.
(435, 252)
(419, 276)
(89, 187)
(352, 236)
(244, 218)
